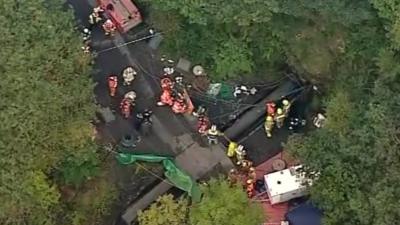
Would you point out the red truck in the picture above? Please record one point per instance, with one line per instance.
(123, 13)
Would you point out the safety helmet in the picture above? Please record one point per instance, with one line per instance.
(249, 181)
(269, 118)
(279, 111)
(240, 147)
(252, 169)
(232, 171)
(131, 95)
(285, 102)
(86, 31)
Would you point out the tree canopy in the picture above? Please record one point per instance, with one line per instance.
(224, 204)
(221, 204)
(173, 212)
(46, 107)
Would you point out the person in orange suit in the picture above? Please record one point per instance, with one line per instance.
(166, 96)
(202, 124)
(179, 105)
(112, 84)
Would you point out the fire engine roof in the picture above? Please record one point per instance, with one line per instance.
(123, 12)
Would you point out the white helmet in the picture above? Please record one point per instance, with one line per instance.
(131, 95)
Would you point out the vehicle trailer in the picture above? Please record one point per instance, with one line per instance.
(124, 13)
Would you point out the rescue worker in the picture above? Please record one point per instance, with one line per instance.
(109, 27)
(319, 120)
(129, 75)
(112, 84)
(145, 116)
(168, 65)
(252, 173)
(166, 96)
(286, 107)
(86, 34)
(212, 135)
(246, 165)
(145, 121)
(240, 155)
(125, 107)
(95, 16)
(202, 124)
(269, 125)
(201, 110)
(179, 80)
(179, 105)
(271, 108)
(250, 188)
(279, 118)
(231, 149)
(86, 47)
(239, 90)
(233, 177)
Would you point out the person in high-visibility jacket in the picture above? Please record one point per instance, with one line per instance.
(109, 27)
(286, 107)
(279, 118)
(269, 125)
(112, 85)
(232, 149)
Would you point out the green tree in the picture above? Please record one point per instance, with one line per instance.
(165, 210)
(356, 153)
(223, 204)
(46, 106)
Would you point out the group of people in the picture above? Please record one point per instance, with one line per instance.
(129, 99)
(276, 115)
(173, 92)
(96, 17)
(246, 171)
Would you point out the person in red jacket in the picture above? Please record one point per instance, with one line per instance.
(126, 108)
(112, 84)
(271, 108)
(202, 124)
(109, 27)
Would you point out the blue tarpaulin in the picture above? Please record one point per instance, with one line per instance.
(304, 214)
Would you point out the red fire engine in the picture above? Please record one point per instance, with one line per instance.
(123, 13)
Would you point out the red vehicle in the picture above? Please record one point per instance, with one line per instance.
(123, 13)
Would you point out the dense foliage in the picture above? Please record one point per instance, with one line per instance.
(46, 105)
(173, 212)
(224, 204)
(221, 204)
